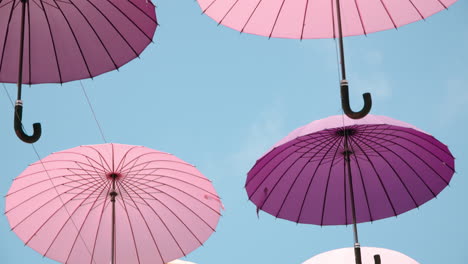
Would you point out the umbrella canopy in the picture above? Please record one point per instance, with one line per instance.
(69, 40)
(393, 167)
(345, 256)
(112, 203)
(305, 19)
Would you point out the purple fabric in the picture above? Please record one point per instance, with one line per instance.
(395, 168)
(60, 206)
(304, 19)
(73, 39)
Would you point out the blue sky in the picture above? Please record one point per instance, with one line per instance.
(219, 99)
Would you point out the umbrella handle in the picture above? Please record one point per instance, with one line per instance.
(377, 259)
(347, 108)
(19, 126)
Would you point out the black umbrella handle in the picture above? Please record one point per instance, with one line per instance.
(19, 126)
(377, 259)
(357, 255)
(347, 108)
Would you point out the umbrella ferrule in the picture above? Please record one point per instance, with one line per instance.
(19, 103)
(344, 82)
(357, 245)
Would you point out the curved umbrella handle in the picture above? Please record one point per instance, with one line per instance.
(19, 126)
(347, 108)
(377, 259)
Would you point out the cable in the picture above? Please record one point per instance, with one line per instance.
(92, 111)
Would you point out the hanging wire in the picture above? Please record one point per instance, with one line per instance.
(92, 111)
(53, 185)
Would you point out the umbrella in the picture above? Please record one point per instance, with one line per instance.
(343, 256)
(67, 40)
(305, 19)
(112, 203)
(340, 171)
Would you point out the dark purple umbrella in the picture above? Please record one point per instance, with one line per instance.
(65, 40)
(340, 171)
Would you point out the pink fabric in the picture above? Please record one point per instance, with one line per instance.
(60, 206)
(346, 256)
(395, 167)
(73, 39)
(305, 19)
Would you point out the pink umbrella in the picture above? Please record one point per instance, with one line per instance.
(112, 203)
(340, 171)
(369, 254)
(305, 19)
(67, 40)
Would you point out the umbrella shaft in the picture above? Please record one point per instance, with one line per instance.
(347, 153)
(21, 49)
(113, 194)
(340, 39)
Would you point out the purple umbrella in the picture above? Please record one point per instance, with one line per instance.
(67, 40)
(339, 171)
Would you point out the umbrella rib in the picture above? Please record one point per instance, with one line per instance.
(295, 179)
(76, 40)
(442, 4)
(96, 34)
(390, 165)
(124, 157)
(165, 168)
(173, 213)
(203, 11)
(7, 33)
(337, 142)
(409, 166)
(122, 169)
(251, 15)
(161, 219)
(101, 157)
(427, 151)
(416, 8)
(364, 187)
(276, 166)
(31, 197)
(53, 41)
(129, 222)
(390, 128)
(113, 26)
(379, 178)
(360, 17)
(388, 13)
(51, 216)
(144, 219)
(229, 11)
(88, 172)
(6, 3)
(128, 18)
(152, 19)
(299, 140)
(276, 19)
(165, 176)
(81, 227)
(333, 17)
(306, 9)
(130, 169)
(178, 189)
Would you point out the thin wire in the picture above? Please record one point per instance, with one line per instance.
(92, 111)
(50, 179)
